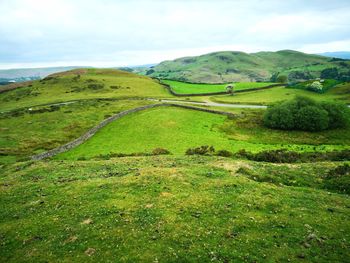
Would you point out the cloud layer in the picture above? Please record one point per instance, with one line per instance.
(113, 33)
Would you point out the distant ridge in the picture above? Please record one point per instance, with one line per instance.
(227, 66)
(25, 74)
(338, 54)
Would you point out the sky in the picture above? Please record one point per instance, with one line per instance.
(108, 33)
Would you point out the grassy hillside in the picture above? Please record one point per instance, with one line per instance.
(227, 66)
(190, 88)
(23, 74)
(187, 209)
(82, 84)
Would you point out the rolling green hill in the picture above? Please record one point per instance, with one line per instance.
(81, 84)
(227, 66)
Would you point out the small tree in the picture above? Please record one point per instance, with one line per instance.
(282, 79)
(316, 86)
(230, 89)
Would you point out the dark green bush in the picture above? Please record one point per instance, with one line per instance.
(305, 114)
(311, 118)
(338, 114)
(277, 156)
(202, 150)
(338, 179)
(224, 153)
(285, 156)
(95, 86)
(160, 151)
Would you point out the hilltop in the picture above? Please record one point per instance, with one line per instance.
(227, 66)
(26, 74)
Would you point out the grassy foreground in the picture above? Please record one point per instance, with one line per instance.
(188, 88)
(171, 209)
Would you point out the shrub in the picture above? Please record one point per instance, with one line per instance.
(160, 151)
(338, 114)
(338, 179)
(202, 150)
(315, 86)
(95, 86)
(224, 153)
(282, 79)
(284, 156)
(279, 117)
(305, 114)
(312, 118)
(277, 156)
(340, 171)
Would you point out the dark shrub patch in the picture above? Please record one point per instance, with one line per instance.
(340, 171)
(311, 118)
(224, 153)
(160, 151)
(284, 156)
(277, 156)
(202, 150)
(307, 115)
(338, 179)
(338, 114)
(95, 86)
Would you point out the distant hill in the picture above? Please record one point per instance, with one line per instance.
(227, 66)
(25, 74)
(339, 54)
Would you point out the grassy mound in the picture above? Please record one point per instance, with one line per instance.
(82, 84)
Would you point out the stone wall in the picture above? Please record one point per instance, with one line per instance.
(92, 131)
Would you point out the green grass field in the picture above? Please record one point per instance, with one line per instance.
(339, 93)
(24, 133)
(179, 129)
(188, 88)
(146, 209)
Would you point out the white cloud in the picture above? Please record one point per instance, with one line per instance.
(103, 32)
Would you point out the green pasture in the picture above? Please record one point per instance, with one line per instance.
(190, 88)
(177, 129)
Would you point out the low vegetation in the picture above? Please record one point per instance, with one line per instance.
(156, 208)
(306, 114)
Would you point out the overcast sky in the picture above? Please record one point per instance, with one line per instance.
(36, 33)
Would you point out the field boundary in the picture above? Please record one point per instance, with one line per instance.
(91, 132)
(172, 92)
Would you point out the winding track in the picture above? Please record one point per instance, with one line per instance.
(214, 104)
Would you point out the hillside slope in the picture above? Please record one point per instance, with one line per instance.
(81, 84)
(227, 66)
(25, 74)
